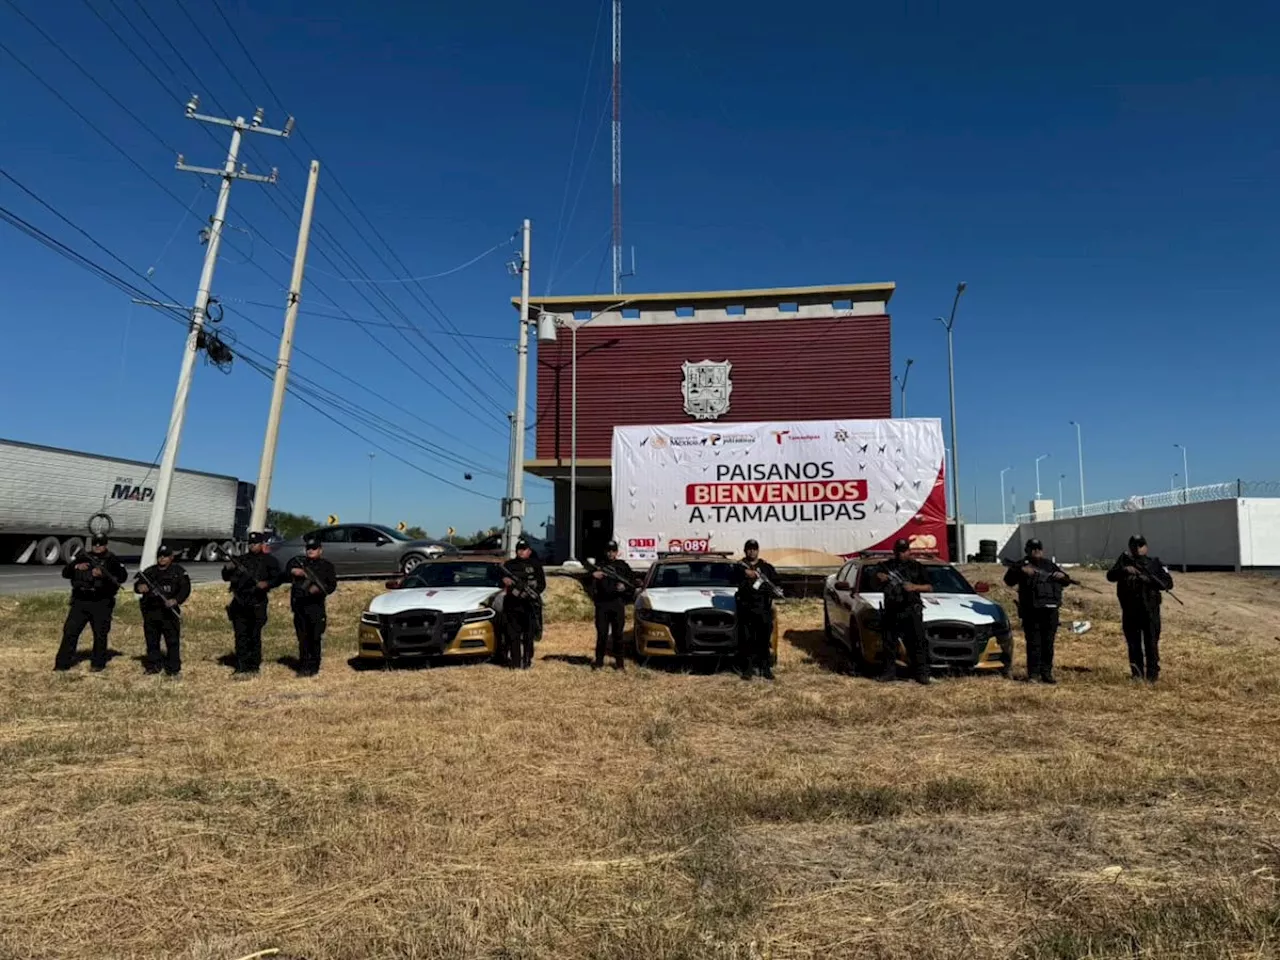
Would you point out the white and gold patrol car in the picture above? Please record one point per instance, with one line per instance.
(686, 608)
(448, 608)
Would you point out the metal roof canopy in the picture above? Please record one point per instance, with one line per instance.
(710, 298)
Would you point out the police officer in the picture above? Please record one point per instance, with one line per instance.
(1039, 581)
(902, 619)
(96, 578)
(162, 588)
(1139, 578)
(250, 580)
(313, 578)
(521, 608)
(612, 588)
(755, 579)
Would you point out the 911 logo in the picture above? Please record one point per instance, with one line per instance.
(923, 541)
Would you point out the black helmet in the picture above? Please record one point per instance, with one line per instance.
(1034, 544)
(902, 545)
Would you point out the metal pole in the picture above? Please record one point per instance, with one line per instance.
(1003, 515)
(173, 439)
(371, 456)
(1080, 459)
(902, 385)
(573, 445)
(1185, 478)
(511, 461)
(955, 445)
(1043, 456)
(522, 388)
(267, 466)
(1061, 477)
(617, 149)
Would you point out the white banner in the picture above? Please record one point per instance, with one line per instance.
(811, 492)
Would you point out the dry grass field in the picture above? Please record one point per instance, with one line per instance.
(474, 812)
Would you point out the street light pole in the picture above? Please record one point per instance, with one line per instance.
(902, 385)
(1080, 458)
(1184, 471)
(1061, 477)
(955, 445)
(1173, 483)
(1003, 516)
(1043, 456)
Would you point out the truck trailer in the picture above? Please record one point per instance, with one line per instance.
(52, 500)
(813, 493)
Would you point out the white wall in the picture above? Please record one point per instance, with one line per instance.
(1259, 532)
(1209, 531)
(1004, 534)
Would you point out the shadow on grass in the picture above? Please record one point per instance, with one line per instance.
(821, 652)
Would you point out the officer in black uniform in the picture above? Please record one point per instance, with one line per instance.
(162, 588)
(612, 588)
(96, 578)
(313, 579)
(902, 619)
(521, 608)
(754, 610)
(1139, 579)
(1039, 581)
(251, 579)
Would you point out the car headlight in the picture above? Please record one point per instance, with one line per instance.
(653, 616)
(477, 616)
(370, 618)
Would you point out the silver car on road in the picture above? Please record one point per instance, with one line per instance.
(366, 549)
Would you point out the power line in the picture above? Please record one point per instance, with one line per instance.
(443, 317)
(434, 276)
(371, 323)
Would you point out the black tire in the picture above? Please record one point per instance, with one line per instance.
(826, 624)
(71, 548)
(411, 562)
(48, 551)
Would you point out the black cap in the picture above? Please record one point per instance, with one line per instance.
(1034, 544)
(257, 537)
(311, 543)
(901, 544)
(613, 545)
(164, 551)
(751, 545)
(523, 544)
(1136, 542)
(99, 540)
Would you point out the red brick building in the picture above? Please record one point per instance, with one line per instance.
(799, 352)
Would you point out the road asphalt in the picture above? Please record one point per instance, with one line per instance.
(34, 578)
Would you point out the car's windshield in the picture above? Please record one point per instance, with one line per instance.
(696, 573)
(393, 534)
(460, 574)
(943, 580)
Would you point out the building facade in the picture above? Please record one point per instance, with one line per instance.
(712, 357)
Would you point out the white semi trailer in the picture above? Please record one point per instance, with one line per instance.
(51, 500)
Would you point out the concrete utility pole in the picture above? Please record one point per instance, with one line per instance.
(515, 518)
(507, 542)
(155, 527)
(262, 496)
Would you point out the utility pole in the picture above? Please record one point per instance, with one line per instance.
(266, 469)
(951, 378)
(515, 520)
(507, 542)
(1080, 460)
(229, 172)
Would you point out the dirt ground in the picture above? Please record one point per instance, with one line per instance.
(474, 812)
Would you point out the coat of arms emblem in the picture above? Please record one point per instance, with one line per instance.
(706, 389)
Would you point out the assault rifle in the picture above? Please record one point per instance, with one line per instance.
(1067, 581)
(155, 591)
(1148, 578)
(238, 563)
(305, 567)
(609, 573)
(95, 561)
(521, 588)
(764, 581)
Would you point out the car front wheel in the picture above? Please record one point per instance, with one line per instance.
(411, 563)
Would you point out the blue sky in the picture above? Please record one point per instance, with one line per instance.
(1102, 176)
